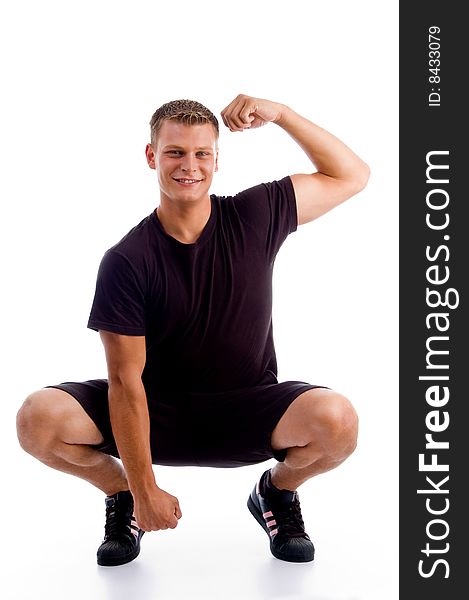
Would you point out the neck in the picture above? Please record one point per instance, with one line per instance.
(185, 222)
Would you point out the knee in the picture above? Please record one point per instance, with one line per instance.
(35, 423)
(339, 426)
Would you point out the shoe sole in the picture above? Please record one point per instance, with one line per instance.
(260, 519)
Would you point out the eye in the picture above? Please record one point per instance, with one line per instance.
(174, 152)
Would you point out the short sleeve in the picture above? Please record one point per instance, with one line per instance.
(270, 208)
(119, 300)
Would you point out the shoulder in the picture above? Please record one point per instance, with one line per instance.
(139, 246)
(264, 189)
(266, 211)
(260, 195)
(265, 198)
(134, 254)
(135, 240)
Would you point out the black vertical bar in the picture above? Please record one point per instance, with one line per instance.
(434, 356)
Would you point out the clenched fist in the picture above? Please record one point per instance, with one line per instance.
(156, 510)
(246, 112)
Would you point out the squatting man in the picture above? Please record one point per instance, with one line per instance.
(183, 306)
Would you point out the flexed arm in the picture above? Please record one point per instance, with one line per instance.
(340, 172)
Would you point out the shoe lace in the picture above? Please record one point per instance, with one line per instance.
(291, 520)
(117, 522)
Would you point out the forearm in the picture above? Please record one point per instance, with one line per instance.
(131, 428)
(329, 155)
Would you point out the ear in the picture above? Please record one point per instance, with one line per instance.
(150, 154)
(216, 162)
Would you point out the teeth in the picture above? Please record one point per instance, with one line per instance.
(188, 180)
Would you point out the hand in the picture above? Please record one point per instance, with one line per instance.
(156, 510)
(246, 112)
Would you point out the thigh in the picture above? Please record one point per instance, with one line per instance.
(54, 412)
(308, 415)
(89, 402)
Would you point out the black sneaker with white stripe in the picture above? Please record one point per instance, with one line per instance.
(121, 534)
(279, 514)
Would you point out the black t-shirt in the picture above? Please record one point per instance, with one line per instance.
(205, 308)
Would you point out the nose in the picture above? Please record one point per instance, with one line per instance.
(188, 163)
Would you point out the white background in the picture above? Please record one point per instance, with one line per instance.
(80, 82)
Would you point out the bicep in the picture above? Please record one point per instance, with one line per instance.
(318, 193)
(125, 354)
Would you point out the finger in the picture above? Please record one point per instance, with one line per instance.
(232, 114)
(229, 122)
(223, 113)
(240, 110)
(228, 108)
(178, 512)
(226, 113)
(247, 106)
(246, 114)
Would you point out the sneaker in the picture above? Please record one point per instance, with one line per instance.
(122, 536)
(279, 514)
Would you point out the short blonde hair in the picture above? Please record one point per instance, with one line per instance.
(189, 112)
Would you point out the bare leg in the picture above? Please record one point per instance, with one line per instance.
(319, 430)
(54, 428)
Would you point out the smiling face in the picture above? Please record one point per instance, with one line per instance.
(185, 159)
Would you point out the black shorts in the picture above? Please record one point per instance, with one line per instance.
(223, 429)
